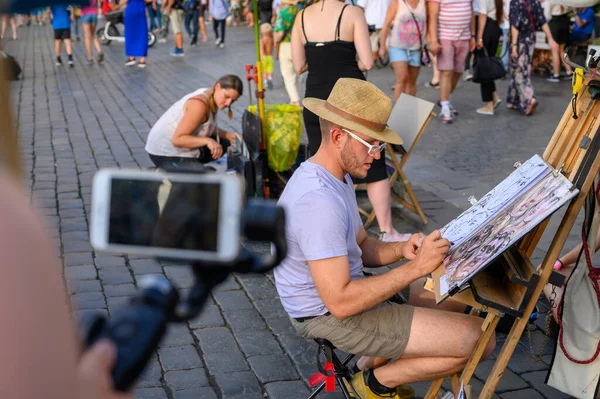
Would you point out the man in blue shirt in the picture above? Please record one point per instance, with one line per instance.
(61, 23)
(585, 20)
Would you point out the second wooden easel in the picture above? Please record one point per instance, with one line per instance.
(574, 150)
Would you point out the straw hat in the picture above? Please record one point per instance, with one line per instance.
(289, 2)
(358, 106)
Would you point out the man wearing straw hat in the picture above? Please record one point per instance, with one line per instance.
(321, 282)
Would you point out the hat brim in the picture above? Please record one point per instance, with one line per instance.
(317, 107)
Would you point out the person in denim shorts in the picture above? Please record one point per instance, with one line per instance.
(409, 20)
(89, 20)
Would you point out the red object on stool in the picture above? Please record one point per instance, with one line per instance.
(329, 379)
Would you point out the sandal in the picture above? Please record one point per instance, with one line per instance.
(513, 107)
(531, 108)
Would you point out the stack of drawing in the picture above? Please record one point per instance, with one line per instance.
(497, 221)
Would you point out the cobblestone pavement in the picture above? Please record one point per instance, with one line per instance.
(73, 121)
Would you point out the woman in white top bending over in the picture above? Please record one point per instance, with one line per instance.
(188, 133)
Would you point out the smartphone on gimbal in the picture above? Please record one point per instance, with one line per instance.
(184, 216)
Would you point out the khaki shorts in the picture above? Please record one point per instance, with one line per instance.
(375, 40)
(177, 18)
(382, 331)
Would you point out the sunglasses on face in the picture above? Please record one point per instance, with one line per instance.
(373, 149)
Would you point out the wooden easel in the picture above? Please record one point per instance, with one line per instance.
(574, 150)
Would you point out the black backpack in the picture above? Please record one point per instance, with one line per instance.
(11, 67)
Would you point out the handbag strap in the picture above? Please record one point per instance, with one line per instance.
(530, 15)
(417, 24)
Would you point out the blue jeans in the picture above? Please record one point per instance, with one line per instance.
(154, 15)
(192, 16)
(505, 47)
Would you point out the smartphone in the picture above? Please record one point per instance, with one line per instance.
(167, 215)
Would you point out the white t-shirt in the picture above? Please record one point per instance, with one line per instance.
(375, 11)
(488, 7)
(160, 139)
(506, 17)
(322, 221)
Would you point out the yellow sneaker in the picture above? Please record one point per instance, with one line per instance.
(405, 392)
(364, 392)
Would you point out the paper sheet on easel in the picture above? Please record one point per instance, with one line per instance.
(461, 393)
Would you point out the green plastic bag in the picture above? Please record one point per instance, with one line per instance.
(283, 128)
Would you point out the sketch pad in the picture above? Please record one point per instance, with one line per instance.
(499, 220)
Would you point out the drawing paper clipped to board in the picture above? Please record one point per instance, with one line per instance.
(503, 216)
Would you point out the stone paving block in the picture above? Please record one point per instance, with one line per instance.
(81, 286)
(258, 343)
(115, 276)
(120, 290)
(244, 320)
(270, 308)
(201, 393)
(238, 384)
(74, 225)
(76, 247)
(88, 300)
(287, 390)
(215, 340)
(186, 379)
(281, 325)
(104, 261)
(80, 273)
(522, 394)
(115, 303)
(70, 204)
(177, 335)
(209, 317)
(227, 285)
(522, 361)
(509, 382)
(299, 349)
(78, 259)
(151, 375)
(179, 358)
(259, 287)
(536, 380)
(233, 300)
(76, 236)
(181, 276)
(150, 393)
(270, 368)
(476, 387)
(71, 213)
(145, 266)
(226, 362)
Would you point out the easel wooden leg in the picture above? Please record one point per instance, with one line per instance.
(434, 388)
(489, 326)
(454, 381)
(412, 196)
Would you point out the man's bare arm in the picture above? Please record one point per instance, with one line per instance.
(344, 297)
(376, 253)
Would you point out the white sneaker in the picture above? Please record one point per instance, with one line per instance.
(130, 63)
(218, 41)
(221, 45)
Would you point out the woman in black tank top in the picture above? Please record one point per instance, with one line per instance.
(326, 62)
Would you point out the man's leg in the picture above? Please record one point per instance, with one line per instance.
(446, 84)
(439, 345)
(455, 78)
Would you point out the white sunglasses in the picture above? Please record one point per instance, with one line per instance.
(373, 149)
